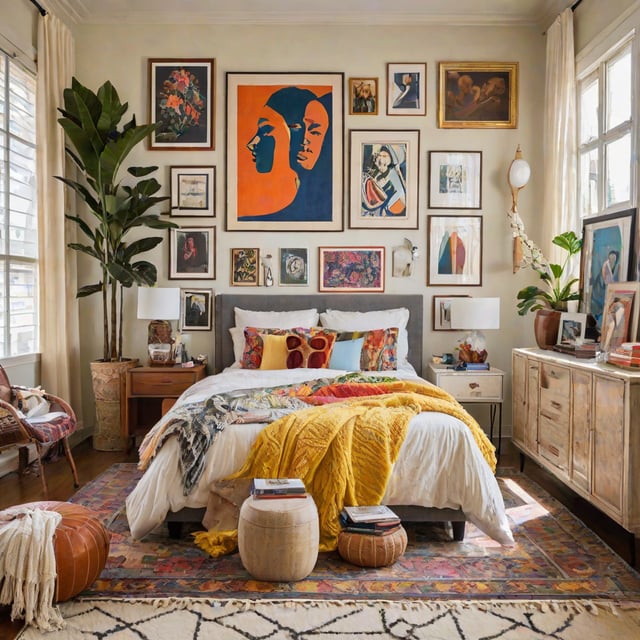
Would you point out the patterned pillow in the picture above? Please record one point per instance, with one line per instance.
(254, 345)
(379, 349)
(309, 349)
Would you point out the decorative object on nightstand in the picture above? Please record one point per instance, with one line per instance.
(474, 314)
(160, 305)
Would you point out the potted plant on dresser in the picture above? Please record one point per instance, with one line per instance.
(557, 289)
(114, 208)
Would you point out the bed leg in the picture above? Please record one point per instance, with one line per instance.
(175, 530)
(522, 457)
(458, 530)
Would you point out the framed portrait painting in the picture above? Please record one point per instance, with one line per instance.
(363, 96)
(294, 267)
(607, 257)
(406, 88)
(351, 269)
(193, 191)
(245, 270)
(192, 253)
(384, 169)
(284, 151)
(181, 103)
(455, 179)
(195, 309)
(454, 250)
(478, 95)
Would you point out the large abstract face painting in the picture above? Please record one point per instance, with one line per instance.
(284, 152)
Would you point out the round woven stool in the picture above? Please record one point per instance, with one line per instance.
(81, 546)
(368, 550)
(278, 538)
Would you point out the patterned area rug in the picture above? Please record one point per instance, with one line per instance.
(330, 619)
(555, 557)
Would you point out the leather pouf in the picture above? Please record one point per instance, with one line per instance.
(81, 545)
(368, 550)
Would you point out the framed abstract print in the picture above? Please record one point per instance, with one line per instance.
(294, 267)
(245, 270)
(351, 269)
(182, 103)
(195, 309)
(454, 250)
(572, 328)
(455, 179)
(620, 315)
(284, 151)
(192, 253)
(363, 96)
(193, 191)
(384, 169)
(441, 312)
(406, 88)
(478, 95)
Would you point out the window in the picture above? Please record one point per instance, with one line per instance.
(18, 211)
(605, 113)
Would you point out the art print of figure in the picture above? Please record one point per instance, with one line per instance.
(605, 267)
(478, 95)
(384, 191)
(193, 252)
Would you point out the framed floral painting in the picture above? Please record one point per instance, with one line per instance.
(245, 270)
(181, 103)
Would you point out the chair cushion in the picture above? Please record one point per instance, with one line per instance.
(52, 431)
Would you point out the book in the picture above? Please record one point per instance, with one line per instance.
(371, 532)
(622, 360)
(277, 486)
(374, 514)
(473, 366)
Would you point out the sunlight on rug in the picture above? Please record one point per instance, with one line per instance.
(193, 618)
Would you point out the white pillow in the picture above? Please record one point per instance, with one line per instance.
(276, 319)
(368, 320)
(237, 337)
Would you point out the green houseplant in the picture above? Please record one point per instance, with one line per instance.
(116, 207)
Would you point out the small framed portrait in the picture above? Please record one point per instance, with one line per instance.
(294, 267)
(195, 309)
(478, 95)
(351, 269)
(193, 191)
(245, 270)
(441, 312)
(406, 88)
(192, 253)
(620, 315)
(181, 103)
(455, 179)
(363, 96)
(572, 328)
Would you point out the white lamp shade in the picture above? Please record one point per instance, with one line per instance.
(158, 303)
(475, 313)
(519, 173)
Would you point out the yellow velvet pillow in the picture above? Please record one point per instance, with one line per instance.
(274, 352)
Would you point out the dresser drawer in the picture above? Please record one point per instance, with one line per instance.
(157, 384)
(468, 387)
(555, 393)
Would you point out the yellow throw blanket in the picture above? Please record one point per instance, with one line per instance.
(331, 448)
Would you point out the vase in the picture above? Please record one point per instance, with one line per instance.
(545, 327)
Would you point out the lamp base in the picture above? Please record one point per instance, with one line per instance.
(161, 363)
(472, 348)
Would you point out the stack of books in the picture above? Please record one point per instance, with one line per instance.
(626, 355)
(376, 520)
(278, 488)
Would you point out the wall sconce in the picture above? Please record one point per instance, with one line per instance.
(268, 272)
(474, 314)
(160, 306)
(403, 258)
(518, 176)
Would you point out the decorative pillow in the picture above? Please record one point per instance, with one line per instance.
(346, 354)
(274, 351)
(253, 346)
(276, 319)
(309, 349)
(379, 348)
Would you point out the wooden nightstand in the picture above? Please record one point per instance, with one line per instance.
(473, 387)
(145, 388)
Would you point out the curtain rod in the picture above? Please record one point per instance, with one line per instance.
(574, 6)
(41, 9)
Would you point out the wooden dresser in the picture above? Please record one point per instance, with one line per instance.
(581, 421)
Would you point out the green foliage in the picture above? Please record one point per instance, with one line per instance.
(99, 148)
(555, 292)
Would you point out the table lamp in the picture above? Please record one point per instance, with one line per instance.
(160, 306)
(474, 315)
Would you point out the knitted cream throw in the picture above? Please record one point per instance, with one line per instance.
(28, 567)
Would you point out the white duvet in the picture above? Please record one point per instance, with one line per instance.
(439, 464)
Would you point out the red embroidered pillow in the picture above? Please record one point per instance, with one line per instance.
(309, 349)
(379, 349)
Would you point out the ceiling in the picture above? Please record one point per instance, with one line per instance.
(539, 13)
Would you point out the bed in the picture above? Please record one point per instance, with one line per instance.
(464, 490)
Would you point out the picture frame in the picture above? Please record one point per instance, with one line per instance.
(363, 96)
(245, 267)
(184, 111)
(284, 181)
(607, 256)
(384, 175)
(571, 330)
(454, 250)
(193, 191)
(195, 309)
(406, 88)
(351, 269)
(612, 334)
(478, 95)
(455, 180)
(441, 305)
(192, 253)
(294, 267)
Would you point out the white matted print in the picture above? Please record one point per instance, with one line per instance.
(455, 179)
(192, 253)
(572, 328)
(193, 191)
(406, 88)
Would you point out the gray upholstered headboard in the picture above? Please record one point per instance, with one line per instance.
(225, 317)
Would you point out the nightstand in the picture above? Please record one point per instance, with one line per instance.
(473, 387)
(145, 389)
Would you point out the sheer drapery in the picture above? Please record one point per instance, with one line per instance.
(59, 323)
(559, 212)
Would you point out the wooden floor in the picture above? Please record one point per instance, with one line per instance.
(90, 463)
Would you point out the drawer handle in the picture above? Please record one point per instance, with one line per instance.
(474, 385)
(556, 405)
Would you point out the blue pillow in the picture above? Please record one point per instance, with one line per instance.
(346, 355)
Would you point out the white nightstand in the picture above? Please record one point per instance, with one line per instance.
(472, 387)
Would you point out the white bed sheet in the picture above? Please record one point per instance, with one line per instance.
(439, 464)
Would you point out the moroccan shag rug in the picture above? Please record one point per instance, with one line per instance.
(199, 619)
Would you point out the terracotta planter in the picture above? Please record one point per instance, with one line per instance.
(107, 382)
(545, 327)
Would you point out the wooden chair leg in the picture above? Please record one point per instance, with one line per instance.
(41, 468)
(72, 464)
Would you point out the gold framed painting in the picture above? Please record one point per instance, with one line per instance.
(363, 96)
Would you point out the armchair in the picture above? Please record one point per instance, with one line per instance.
(33, 416)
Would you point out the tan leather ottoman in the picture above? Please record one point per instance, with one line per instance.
(367, 550)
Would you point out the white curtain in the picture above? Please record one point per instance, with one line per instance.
(59, 323)
(560, 209)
